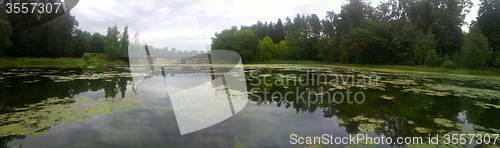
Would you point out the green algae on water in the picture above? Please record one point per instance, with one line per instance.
(35, 119)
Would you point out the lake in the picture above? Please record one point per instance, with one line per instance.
(109, 107)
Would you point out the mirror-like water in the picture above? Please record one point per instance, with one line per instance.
(105, 107)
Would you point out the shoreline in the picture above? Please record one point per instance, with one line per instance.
(78, 62)
(54, 62)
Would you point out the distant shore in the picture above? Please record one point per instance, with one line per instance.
(415, 69)
(55, 62)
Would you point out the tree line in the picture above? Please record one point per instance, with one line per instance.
(35, 35)
(398, 32)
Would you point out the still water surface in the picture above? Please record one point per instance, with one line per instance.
(104, 107)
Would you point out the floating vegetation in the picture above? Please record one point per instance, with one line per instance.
(482, 104)
(495, 130)
(340, 121)
(372, 120)
(34, 81)
(447, 89)
(444, 122)
(35, 119)
(367, 127)
(400, 82)
(422, 130)
(386, 97)
(477, 127)
(158, 98)
(358, 118)
(87, 76)
(410, 122)
(493, 105)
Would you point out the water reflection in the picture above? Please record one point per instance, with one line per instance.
(266, 122)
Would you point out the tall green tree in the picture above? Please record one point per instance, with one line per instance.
(246, 43)
(5, 33)
(97, 43)
(270, 30)
(279, 32)
(475, 49)
(488, 22)
(267, 50)
(112, 44)
(59, 38)
(124, 40)
(80, 43)
(224, 40)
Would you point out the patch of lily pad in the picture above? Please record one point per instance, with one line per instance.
(422, 130)
(386, 97)
(35, 119)
(444, 122)
(367, 127)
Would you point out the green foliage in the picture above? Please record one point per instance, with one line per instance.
(267, 50)
(112, 47)
(5, 33)
(80, 44)
(412, 45)
(86, 56)
(111, 52)
(279, 32)
(396, 32)
(475, 49)
(246, 44)
(449, 65)
(97, 43)
(489, 23)
(495, 59)
(224, 40)
(432, 59)
(124, 40)
(59, 36)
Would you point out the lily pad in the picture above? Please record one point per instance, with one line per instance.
(386, 97)
(444, 122)
(482, 104)
(367, 127)
(33, 119)
(422, 130)
(493, 105)
(359, 118)
(340, 121)
(376, 120)
(495, 130)
(477, 127)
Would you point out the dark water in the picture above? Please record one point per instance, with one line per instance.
(440, 104)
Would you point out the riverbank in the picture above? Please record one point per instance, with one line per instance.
(55, 62)
(415, 69)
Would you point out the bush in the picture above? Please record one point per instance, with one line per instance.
(449, 65)
(111, 52)
(86, 56)
(432, 59)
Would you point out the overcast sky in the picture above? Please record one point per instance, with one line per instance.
(189, 24)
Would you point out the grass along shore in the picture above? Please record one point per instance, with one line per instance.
(415, 69)
(55, 62)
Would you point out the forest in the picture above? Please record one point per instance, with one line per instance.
(36, 35)
(396, 32)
